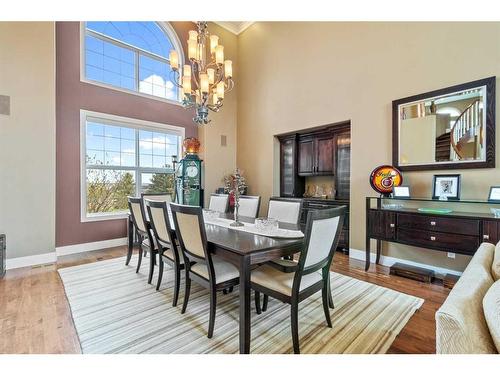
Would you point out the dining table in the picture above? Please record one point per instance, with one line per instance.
(244, 250)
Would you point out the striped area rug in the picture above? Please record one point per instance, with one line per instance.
(116, 311)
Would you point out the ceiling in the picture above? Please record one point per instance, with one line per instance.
(235, 27)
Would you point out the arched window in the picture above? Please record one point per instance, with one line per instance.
(131, 56)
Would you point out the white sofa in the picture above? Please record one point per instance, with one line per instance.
(469, 320)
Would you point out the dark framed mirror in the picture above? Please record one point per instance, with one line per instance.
(450, 128)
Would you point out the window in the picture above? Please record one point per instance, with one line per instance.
(131, 56)
(124, 157)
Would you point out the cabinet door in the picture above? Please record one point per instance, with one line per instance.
(491, 231)
(287, 168)
(324, 155)
(306, 157)
(343, 165)
(381, 225)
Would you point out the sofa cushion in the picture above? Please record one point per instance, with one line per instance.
(491, 307)
(495, 266)
(460, 324)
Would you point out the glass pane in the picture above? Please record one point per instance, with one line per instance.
(146, 161)
(107, 190)
(159, 161)
(157, 183)
(127, 133)
(128, 146)
(112, 144)
(95, 143)
(159, 137)
(95, 157)
(128, 160)
(95, 129)
(154, 78)
(145, 135)
(112, 158)
(145, 147)
(159, 149)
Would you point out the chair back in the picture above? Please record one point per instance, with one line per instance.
(159, 197)
(219, 202)
(159, 220)
(322, 236)
(190, 230)
(136, 207)
(249, 206)
(285, 211)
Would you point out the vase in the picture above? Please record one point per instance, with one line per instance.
(236, 222)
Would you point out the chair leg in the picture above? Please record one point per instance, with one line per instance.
(160, 272)
(264, 304)
(152, 258)
(177, 285)
(257, 302)
(213, 307)
(295, 326)
(326, 308)
(187, 290)
(330, 297)
(139, 260)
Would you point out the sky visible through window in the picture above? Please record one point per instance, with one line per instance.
(128, 67)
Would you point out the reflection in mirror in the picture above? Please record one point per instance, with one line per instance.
(447, 128)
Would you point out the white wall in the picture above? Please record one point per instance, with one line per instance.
(27, 138)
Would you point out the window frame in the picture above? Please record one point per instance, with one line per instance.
(114, 120)
(170, 34)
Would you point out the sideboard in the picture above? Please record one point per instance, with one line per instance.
(456, 232)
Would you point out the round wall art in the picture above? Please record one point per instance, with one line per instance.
(384, 178)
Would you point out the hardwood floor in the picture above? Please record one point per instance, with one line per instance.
(35, 316)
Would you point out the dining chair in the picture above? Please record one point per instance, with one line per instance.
(249, 206)
(285, 210)
(219, 202)
(142, 228)
(312, 272)
(159, 197)
(168, 251)
(209, 271)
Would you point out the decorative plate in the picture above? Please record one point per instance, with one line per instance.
(384, 178)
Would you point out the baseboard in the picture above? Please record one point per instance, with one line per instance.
(32, 260)
(90, 246)
(389, 261)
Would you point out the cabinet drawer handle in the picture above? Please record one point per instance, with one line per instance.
(433, 223)
(392, 225)
(433, 238)
(486, 237)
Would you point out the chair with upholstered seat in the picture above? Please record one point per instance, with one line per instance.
(143, 230)
(219, 202)
(249, 206)
(313, 268)
(208, 271)
(168, 252)
(285, 210)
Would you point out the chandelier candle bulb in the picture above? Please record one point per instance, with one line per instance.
(228, 68)
(211, 75)
(187, 70)
(186, 85)
(214, 42)
(204, 82)
(193, 35)
(174, 60)
(220, 90)
(192, 49)
(219, 54)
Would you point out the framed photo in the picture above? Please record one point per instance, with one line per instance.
(446, 185)
(401, 192)
(494, 195)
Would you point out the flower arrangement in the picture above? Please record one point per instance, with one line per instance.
(235, 185)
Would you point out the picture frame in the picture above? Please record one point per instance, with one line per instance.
(402, 191)
(494, 195)
(446, 185)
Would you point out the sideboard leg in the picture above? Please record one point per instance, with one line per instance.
(367, 259)
(379, 250)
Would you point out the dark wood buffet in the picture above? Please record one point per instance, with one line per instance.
(457, 232)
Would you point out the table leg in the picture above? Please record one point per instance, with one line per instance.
(367, 260)
(130, 234)
(379, 250)
(245, 305)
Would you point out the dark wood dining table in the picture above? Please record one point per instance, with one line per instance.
(244, 250)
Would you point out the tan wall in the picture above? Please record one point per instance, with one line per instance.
(27, 137)
(219, 160)
(298, 75)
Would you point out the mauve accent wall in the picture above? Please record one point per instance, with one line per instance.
(73, 95)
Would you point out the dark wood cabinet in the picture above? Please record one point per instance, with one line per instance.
(291, 185)
(456, 233)
(316, 154)
(342, 162)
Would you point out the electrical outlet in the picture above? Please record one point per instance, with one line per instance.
(451, 255)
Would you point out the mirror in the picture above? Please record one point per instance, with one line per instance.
(446, 129)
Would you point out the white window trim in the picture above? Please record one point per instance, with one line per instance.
(129, 122)
(171, 34)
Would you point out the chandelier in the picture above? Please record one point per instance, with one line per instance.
(206, 78)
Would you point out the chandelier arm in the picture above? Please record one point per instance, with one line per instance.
(174, 77)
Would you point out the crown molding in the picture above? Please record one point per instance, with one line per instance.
(234, 26)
